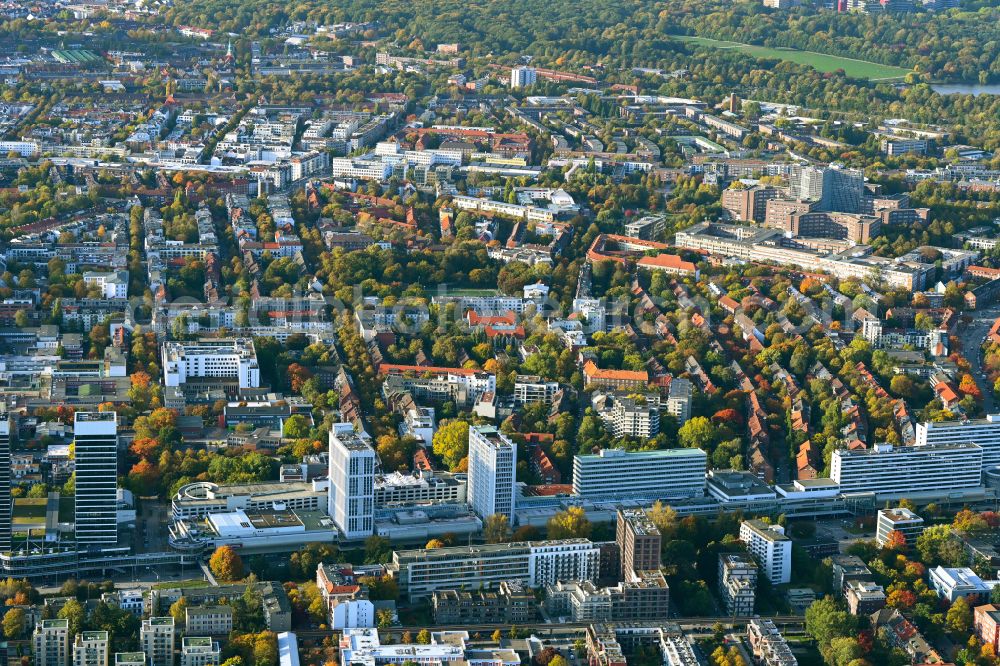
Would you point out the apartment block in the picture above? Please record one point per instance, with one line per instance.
(639, 542)
(847, 568)
(91, 648)
(767, 645)
(738, 583)
(642, 599)
(208, 620)
(986, 622)
(511, 603)
(748, 204)
(532, 388)
(347, 602)
(770, 547)
(157, 638)
(51, 643)
(200, 651)
(864, 597)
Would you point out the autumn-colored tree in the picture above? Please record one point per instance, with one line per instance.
(424, 637)
(901, 599)
(297, 376)
(434, 543)
(143, 477)
(959, 616)
(496, 528)
(967, 386)
(178, 610)
(226, 564)
(13, 623)
(145, 448)
(895, 540)
(451, 443)
(728, 415)
(967, 520)
(569, 524)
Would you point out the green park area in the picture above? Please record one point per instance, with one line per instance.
(861, 69)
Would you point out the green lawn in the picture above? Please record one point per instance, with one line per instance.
(861, 69)
(29, 510)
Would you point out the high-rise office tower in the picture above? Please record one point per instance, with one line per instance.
(5, 498)
(492, 467)
(96, 449)
(352, 482)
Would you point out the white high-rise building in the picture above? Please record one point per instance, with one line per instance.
(232, 361)
(984, 432)
(51, 641)
(908, 471)
(156, 637)
(96, 453)
(522, 77)
(91, 649)
(352, 482)
(770, 547)
(492, 472)
(616, 473)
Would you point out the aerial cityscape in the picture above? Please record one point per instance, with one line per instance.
(440, 333)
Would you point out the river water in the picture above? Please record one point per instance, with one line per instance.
(967, 88)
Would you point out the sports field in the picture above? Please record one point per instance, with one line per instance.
(861, 69)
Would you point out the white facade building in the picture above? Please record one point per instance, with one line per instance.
(532, 388)
(492, 472)
(665, 474)
(352, 482)
(112, 285)
(90, 648)
(959, 582)
(51, 642)
(233, 359)
(533, 563)
(770, 547)
(522, 77)
(895, 472)
(156, 637)
(200, 651)
(983, 432)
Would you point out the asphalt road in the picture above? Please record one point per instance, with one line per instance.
(972, 339)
